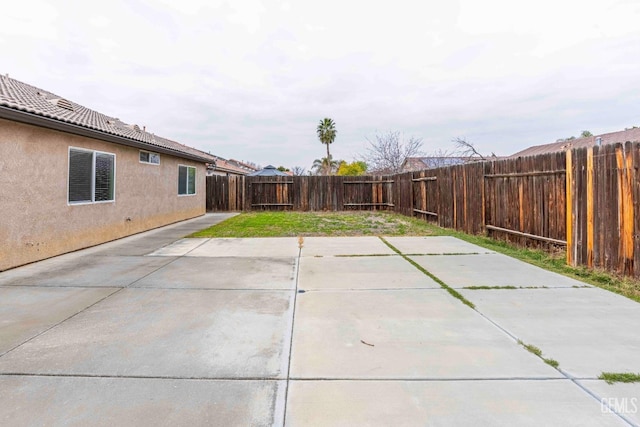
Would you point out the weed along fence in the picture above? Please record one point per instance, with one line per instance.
(586, 200)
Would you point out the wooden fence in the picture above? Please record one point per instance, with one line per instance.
(585, 200)
(299, 193)
(225, 193)
(604, 191)
(524, 199)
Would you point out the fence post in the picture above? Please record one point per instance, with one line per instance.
(569, 209)
(624, 161)
(590, 211)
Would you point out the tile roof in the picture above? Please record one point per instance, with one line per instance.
(632, 135)
(230, 166)
(243, 165)
(30, 99)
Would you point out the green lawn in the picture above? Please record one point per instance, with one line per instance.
(288, 224)
(291, 224)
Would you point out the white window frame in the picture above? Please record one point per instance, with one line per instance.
(195, 175)
(150, 153)
(93, 177)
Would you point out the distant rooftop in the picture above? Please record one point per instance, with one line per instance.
(233, 166)
(269, 171)
(431, 162)
(632, 135)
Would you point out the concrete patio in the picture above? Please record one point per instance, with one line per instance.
(155, 329)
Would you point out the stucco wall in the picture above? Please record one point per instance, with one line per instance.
(36, 221)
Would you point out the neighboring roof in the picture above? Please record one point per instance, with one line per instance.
(230, 166)
(422, 163)
(244, 165)
(22, 102)
(268, 171)
(632, 135)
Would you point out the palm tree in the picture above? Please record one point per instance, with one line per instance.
(324, 166)
(326, 132)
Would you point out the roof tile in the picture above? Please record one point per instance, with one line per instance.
(24, 97)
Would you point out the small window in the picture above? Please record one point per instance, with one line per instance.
(186, 180)
(91, 176)
(148, 157)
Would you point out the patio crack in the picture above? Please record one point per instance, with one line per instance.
(293, 320)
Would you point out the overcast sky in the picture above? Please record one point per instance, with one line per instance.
(251, 79)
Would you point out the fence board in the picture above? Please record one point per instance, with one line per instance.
(526, 197)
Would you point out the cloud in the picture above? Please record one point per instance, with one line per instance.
(250, 80)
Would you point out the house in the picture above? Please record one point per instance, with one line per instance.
(249, 166)
(71, 177)
(632, 135)
(224, 167)
(269, 170)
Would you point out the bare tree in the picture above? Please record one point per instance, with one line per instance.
(298, 171)
(465, 148)
(388, 151)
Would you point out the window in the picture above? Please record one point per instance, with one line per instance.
(92, 176)
(186, 180)
(148, 157)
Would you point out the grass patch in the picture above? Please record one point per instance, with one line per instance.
(451, 291)
(531, 348)
(362, 255)
(475, 288)
(535, 350)
(446, 253)
(551, 362)
(291, 224)
(623, 377)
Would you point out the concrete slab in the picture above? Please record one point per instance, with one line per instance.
(224, 273)
(460, 271)
(166, 333)
(443, 403)
(179, 248)
(331, 246)
(619, 397)
(149, 241)
(408, 334)
(26, 312)
(266, 247)
(435, 245)
(73, 401)
(145, 242)
(137, 247)
(26, 272)
(142, 247)
(85, 271)
(366, 272)
(588, 331)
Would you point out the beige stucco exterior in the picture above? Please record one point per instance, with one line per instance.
(36, 220)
